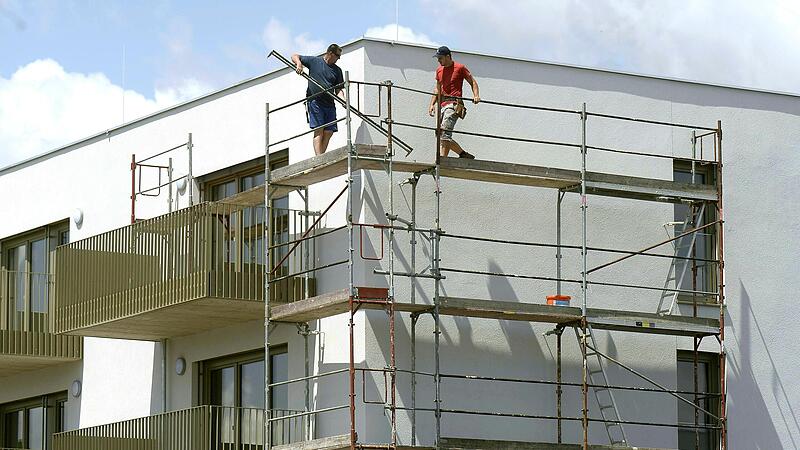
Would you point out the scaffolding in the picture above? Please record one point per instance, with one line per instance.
(584, 320)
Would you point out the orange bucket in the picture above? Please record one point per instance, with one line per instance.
(558, 300)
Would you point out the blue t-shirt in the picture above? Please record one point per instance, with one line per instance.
(324, 74)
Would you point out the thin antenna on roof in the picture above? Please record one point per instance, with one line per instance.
(396, 20)
(123, 83)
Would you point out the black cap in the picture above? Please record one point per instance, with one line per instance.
(442, 51)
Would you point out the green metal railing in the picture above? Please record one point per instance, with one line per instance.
(210, 250)
(198, 428)
(26, 319)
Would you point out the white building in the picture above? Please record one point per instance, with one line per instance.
(191, 281)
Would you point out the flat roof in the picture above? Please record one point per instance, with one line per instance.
(270, 74)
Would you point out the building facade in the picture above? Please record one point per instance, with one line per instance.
(149, 314)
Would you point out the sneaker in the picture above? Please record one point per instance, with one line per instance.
(466, 155)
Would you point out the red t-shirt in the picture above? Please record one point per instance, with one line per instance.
(452, 80)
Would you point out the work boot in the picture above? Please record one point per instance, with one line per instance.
(465, 155)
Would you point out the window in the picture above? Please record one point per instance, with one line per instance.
(243, 244)
(30, 424)
(236, 384)
(26, 258)
(695, 275)
(707, 382)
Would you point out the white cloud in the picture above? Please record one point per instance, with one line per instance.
(400, 33)
(42, 106)
(743, 42)
(277, 36)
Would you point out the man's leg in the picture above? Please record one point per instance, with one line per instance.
(447, 146)
(319, 138)
(326, 138)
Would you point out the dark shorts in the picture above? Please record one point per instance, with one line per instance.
(321, 113)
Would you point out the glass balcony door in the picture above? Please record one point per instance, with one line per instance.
(236, 388)
(27, 286)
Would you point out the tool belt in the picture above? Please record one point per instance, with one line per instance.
(461, 109)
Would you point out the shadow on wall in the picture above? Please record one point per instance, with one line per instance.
(752, 426)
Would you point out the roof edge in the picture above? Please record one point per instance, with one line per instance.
(264, 77)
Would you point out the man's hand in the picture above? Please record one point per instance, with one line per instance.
(431, 110)
(476, 99)
(299, 68)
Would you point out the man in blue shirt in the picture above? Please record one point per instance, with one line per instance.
(321, 105)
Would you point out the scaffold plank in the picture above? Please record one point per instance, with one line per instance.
(334, 303)
(334, 164)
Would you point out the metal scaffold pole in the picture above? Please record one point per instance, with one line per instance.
(435, 271)
(721, 299)
(584, 205)
(350, 286)
(414, 317)
(392, 350)
(267, 235)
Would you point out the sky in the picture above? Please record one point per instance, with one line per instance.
(67, 65)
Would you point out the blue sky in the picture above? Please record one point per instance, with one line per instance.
(61, 61)
(166, 41)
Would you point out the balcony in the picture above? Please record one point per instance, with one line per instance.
(198, 428)
(27, 341)
(181, 273)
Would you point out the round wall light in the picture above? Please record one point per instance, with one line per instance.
(77, 217)
(76, 388)
(180, 366)
(182, 186)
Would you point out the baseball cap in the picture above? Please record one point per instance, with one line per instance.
(442, 51)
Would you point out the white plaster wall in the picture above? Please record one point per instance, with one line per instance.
(760, 145)
(227, 128)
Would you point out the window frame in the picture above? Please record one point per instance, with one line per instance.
(712, 381)
(239, 171)
(52, 235)
(52, 422)
(236, 360)
(708, 284)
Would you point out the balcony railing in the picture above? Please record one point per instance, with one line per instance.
(26, 323)
(208, 251)
(199, 428)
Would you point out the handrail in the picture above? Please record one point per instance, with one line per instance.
(355, 111)
(206, 427)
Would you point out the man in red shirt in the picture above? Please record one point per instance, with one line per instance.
(450, 76)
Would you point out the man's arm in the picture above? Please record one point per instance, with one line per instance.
(432, 106)
(476, 95)
(339, 92)
(298, 64)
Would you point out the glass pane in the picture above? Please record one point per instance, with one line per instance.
(253, 385)
(36, 428)
(223, 190)
(38, 285)
(279, 400)
(687, 436)
(702, 244)
(223, 390)
(223, 387)
(252, 181)
(15, 429)
(61, 417)
(252, 391)
(16, 286)
(279, 371)
(63, 238)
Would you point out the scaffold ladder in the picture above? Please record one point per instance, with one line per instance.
(682, 247)
(602, 393)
